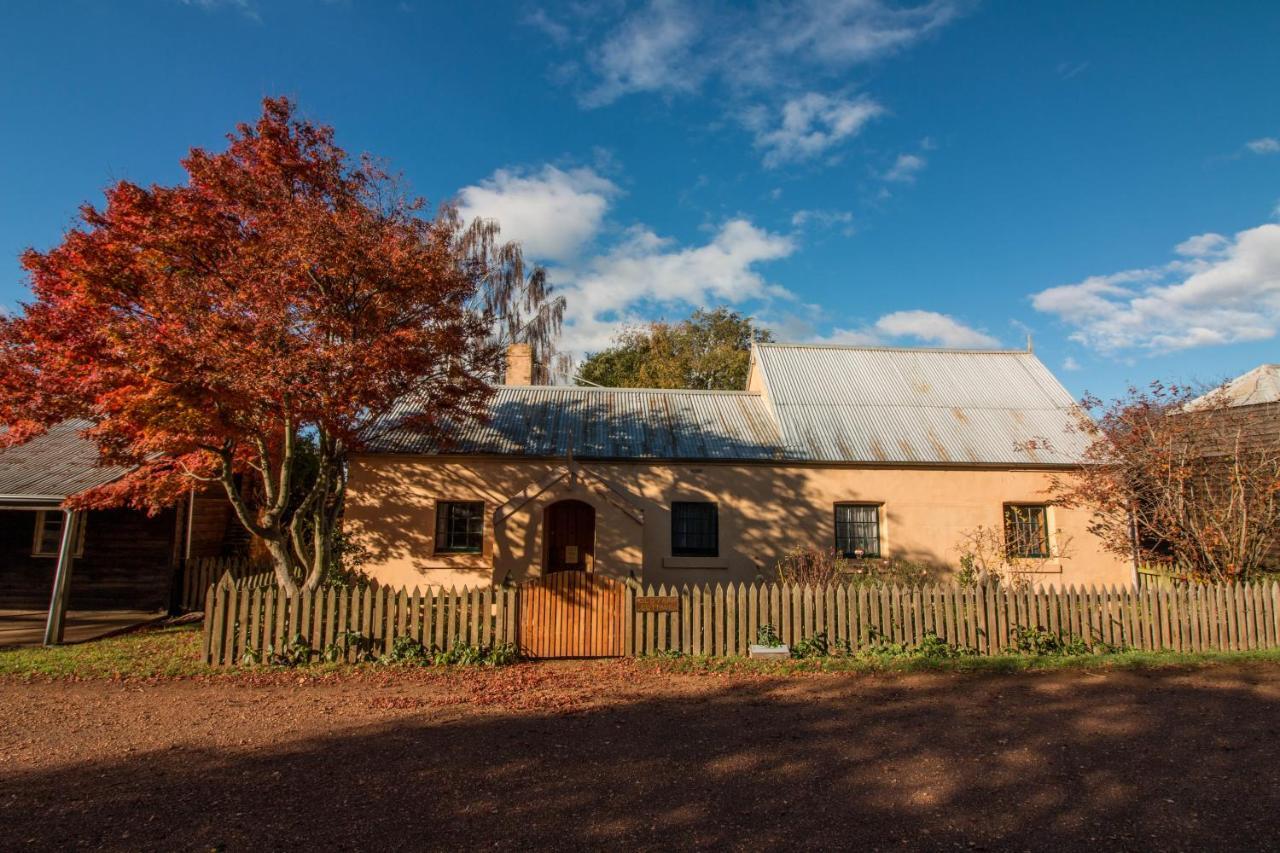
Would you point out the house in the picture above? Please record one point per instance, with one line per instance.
(874, 451)
(52, 559)
(1244, 421)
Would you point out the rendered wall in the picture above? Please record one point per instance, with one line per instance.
(763, 511)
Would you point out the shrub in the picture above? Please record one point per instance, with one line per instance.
(816, 646)
(406, 650)
(466, 654)
(1038, 641)
(826, 566)
(767, 635)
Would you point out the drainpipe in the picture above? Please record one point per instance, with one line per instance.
(53, 629)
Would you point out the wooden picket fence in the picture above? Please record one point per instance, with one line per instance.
(723, 620)
(202, 572)
(353, 621)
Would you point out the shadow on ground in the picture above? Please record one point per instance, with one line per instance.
(1162, 759)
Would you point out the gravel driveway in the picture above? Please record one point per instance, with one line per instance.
(618, 755)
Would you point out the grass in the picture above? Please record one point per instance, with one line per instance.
(994, 664)
(175, 653)
(162, 652)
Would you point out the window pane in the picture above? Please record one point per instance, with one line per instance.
(858, 529)
(1026, 530)
(50, 533)
(694, 529)
(460, 526)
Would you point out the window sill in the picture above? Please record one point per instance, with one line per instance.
(694, 563)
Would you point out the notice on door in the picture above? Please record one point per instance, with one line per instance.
(570, 555)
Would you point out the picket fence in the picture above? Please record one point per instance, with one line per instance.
(723, 620)
(199, 573)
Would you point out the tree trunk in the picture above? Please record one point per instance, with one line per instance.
(282, 562)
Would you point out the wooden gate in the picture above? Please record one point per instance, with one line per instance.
(571, 615)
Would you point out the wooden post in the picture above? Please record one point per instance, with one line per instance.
(56, 622)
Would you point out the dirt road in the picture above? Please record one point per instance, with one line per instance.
(615, 755)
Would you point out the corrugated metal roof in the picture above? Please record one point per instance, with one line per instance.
(821, 404)
(1260, 385)
(879, 404)
(608, 423)
(57, 464)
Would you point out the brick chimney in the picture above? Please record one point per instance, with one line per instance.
(519, 364)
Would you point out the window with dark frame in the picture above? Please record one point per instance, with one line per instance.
(1026, 530)
(48, 535)
(695, 529)
(858, 530)
(459, 527)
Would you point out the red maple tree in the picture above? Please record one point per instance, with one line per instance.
(284, 295)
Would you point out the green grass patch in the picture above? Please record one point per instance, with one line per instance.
(978, 664)
(161, 652)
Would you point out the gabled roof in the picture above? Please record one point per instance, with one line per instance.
(939, 406)
(607, 423)
(56, 465)
(815, 404)
(1260, 385)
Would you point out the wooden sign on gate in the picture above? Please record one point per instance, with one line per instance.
(657, 603)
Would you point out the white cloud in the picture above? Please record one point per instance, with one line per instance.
(1202, 245)
(650, 51)
(914, 327)
(905, 168)
(809, 125)
(1265, 145)
(823, 218)
(1220, 292)
(672, 47)
(552, 212)
(934, 328)
(1069, 363)
(244, 7)
(645, 270)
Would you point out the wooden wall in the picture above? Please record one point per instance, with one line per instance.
(128, 562)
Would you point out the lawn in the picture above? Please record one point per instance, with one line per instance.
(175, 652)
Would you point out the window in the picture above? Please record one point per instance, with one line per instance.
(1026, 530)
(858, 529)
(695, 529)
(459, 527)
(48, 536)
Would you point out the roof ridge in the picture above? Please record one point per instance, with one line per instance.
(599, 389)
(873, 348)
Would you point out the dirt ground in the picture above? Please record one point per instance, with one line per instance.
(618, 755)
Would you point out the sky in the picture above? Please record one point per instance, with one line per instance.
(1104, 177)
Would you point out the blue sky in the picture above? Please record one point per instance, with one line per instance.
(1105, 176)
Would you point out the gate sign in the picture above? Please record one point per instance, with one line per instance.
(657, 603)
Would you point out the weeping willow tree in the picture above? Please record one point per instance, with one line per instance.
(516, 300)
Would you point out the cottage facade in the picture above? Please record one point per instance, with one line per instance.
(877, 452)
(53, 559)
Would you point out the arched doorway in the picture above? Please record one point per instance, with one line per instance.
(570, 529)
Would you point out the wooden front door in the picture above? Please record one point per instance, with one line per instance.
(571, 537)
(571, 615)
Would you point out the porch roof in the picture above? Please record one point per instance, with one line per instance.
(59, 463)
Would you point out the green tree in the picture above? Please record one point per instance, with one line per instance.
(708, 351)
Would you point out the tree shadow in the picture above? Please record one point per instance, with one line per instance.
(1160, 759)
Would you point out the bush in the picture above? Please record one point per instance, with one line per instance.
(767, 635)
(816, 646)
(1038, 641)
(825, 566)
(466, 654)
